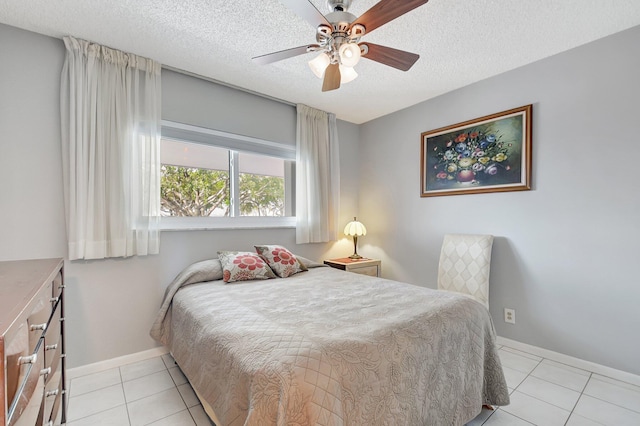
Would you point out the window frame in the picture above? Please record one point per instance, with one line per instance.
(234, 143)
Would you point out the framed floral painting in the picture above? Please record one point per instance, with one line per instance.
(487, 154)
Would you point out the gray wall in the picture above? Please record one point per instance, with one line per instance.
(195, 101)
(566, 253)
(111, 303)
(31, 205)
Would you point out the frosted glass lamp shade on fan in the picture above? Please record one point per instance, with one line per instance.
(355, 229)
(349, 54)
(319, 64)
(347, 74)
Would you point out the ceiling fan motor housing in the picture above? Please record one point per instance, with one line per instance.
(340, 33)
(341, 21)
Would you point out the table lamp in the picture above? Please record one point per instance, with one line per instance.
(355, 229)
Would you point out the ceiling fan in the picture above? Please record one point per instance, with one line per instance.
(338, 39)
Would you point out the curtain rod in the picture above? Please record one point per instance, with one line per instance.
(231, 86)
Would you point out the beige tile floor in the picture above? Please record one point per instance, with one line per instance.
(151, 392)
(543, 393)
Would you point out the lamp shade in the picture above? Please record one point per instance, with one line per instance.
(319, 64)
(355, 229)
(347, 74)
(349, 54)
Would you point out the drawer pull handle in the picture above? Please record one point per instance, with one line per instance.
(35, 327)
(54, 299)
(31, 359)
(51, 347)
(45, 371)
(52, 393)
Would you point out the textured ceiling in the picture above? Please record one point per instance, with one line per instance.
(459, 42)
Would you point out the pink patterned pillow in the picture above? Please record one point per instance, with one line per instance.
(281, 260)
(243, 266)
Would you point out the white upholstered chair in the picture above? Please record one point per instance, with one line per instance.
(465, 261)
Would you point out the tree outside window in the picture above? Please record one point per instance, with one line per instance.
(196, 181)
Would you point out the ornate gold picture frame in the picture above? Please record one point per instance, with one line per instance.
(487, 154)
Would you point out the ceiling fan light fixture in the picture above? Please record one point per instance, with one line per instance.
(338, 35)
(319, 64)
(349, 54)
(347, 74)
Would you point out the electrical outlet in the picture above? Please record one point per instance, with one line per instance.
(510, 315)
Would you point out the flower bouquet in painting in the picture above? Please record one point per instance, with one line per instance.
(473, 157)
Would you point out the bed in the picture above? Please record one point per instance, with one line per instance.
(328, 347)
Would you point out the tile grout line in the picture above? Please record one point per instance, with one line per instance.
(617, 380)
(599, 399)
(516, 388)
(175, 365)
(590, 376)
(98, 412)
(126, 404)
(180, 393)
(579, 397)
(521, 382)
(96, 390)
(611, 403)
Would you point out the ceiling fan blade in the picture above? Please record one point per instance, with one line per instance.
(331, 78)
(308, 11)
(395, 58)
(284, 54)
(385, 11)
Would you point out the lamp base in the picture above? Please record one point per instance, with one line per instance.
(355, 254)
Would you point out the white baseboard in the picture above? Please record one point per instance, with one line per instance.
(108, 364)
(572, 361)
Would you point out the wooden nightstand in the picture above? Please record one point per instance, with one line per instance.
(359, 266)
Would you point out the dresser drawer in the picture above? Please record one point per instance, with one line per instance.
(58, 287)
(25, 407)
(15, 372)
(39, 317)
(52, 393)
(56, 412)
(53, 339)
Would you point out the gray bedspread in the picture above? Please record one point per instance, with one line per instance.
(327, 347)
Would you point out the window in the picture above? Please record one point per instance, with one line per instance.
(194, 179)
(261, 185)
(212, 179)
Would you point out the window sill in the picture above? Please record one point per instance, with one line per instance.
(218, 223)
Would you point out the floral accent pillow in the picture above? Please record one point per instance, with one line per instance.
(243, 266)
(281, 260)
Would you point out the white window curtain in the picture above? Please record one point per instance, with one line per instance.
(110, 111)
(317, 176)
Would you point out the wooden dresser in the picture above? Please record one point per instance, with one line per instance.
(32, 361)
